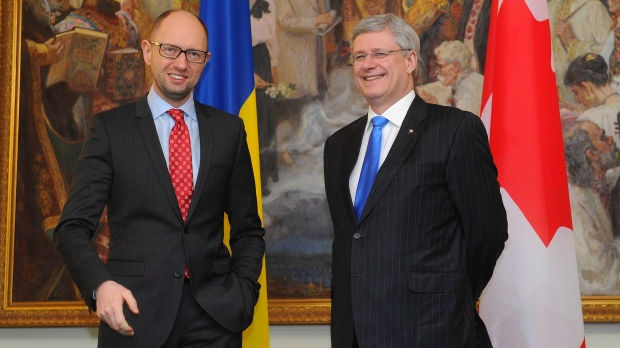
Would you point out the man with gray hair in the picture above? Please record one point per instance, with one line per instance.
(454, 70)
(414, 199)
(590, 153)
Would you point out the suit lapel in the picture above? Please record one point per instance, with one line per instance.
(350, 151)
(404, 143)
(146, 127)
(206, 147)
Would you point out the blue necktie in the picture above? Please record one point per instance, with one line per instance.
(370, 167)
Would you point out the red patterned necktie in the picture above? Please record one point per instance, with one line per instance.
(180, 161)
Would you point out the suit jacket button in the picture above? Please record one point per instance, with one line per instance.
(177, 274)
(185, 230)
(356, 236)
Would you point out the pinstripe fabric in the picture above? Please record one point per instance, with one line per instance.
(409, 272)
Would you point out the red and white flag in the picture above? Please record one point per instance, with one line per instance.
(533, 297)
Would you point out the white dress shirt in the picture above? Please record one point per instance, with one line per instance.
(395, 115)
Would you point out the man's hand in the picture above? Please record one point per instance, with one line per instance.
(54, 50)
(275, 75)
(260, 83)
(110, 298)
(324, 18)
(564, 31)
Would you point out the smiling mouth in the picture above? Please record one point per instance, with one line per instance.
(372, 78)
(176, 77)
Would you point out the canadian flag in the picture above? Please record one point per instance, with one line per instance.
(533, 297)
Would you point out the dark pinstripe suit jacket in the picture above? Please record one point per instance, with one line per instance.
(123, 167)
(409, 272)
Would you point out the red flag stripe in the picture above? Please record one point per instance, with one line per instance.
(525, 129)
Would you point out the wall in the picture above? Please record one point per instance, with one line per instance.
(602, 335)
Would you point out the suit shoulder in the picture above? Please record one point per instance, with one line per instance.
(442, 113)
(437, 109)
(117, 118)
(119, 111)
(210, 111)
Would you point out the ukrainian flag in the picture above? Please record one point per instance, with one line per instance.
(228, 84)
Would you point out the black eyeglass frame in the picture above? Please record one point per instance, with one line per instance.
(161, 44)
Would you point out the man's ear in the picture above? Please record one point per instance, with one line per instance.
(588, 86)
(146, 51)
(207, 59)
(592, 155)
(412, 61)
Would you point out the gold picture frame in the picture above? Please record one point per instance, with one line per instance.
(19, 313)
(75, 313)
(299, 311)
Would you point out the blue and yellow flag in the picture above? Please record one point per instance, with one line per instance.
(228, 84)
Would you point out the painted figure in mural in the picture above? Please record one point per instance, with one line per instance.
(453, 61)
(353, 11)
(303, 62)
(168, 168)
(611, 48)
(126, 15)
(265, 49)
(419, 14)
(46, 130)
(473, 30)
(419, 241)
(105, 16)
(590, 153)
(577, 27)
(588, 77)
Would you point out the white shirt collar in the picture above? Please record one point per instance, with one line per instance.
(395, 113)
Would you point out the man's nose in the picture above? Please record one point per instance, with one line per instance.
(181, 60)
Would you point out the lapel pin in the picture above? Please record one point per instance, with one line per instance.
(411, 131)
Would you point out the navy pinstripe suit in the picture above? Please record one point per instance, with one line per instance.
(409, 272)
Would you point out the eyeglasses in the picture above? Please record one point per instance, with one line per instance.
(376, 56)
(172, 51)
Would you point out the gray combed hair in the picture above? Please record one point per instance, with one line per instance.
(404, 35)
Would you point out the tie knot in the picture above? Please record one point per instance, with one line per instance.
(379, 121)
(177, 114)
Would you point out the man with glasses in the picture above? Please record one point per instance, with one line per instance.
(415, 203)
(167, 168)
